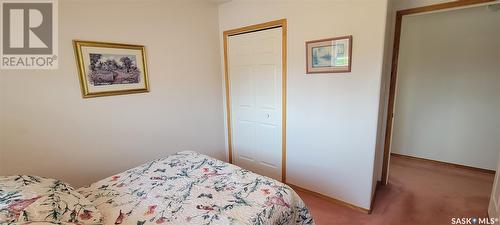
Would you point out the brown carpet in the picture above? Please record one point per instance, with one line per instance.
(418, 193)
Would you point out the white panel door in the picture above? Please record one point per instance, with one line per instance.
(255, 79)
(494, 207)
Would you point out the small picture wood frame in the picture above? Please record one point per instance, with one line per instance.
(332, 55)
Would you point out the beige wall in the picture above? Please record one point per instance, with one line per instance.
(331, 118)
(447, 99)
(46, 128)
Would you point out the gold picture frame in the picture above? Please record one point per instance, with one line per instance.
(107, 69)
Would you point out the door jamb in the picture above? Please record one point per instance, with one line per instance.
(394, 68)
(253, 28)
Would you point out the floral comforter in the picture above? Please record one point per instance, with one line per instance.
(37, 200)
(191, 188)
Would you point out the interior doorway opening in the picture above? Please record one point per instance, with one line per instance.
(398, 141)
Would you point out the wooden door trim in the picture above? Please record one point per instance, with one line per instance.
(253, 28)
(394, 67)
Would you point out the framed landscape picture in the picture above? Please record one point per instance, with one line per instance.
(111, 69)
(333, 55)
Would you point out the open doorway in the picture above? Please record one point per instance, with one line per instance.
(444, 101)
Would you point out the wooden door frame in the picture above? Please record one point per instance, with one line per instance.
(248, 29)
(394, 67)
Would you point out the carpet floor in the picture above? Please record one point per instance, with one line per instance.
(418, 193)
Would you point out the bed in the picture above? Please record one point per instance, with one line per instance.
(191, 188)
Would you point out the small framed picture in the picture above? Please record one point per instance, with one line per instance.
(333, 55)
(110, 68)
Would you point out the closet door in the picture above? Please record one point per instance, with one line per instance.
(255, 78)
